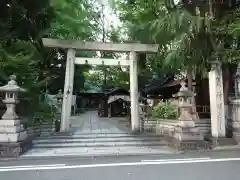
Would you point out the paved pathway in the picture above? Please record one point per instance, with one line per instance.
(89, 122)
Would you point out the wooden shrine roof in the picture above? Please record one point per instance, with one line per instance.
(118, 91)
(164, 90)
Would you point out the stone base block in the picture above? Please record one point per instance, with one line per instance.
(187, 145)
(45, 134)
(222, 141)
(10, 129)
(236, 137)
(190, 145)
(13, 137)
(188, 137)
(15, 122)
(15, 149)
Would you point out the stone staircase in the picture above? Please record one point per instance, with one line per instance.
(105, 144)
(94, 136)
(110, 140)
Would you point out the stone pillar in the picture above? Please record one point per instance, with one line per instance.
(235, 114)
(68, 89)
(236, 119)
(135, 120)
(237, 82)
(218, 121)
(13, 136)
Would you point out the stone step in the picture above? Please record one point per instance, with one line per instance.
(100, 140)
(101, 144)
(98, 151)
(99, 136)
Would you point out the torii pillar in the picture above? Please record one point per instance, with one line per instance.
(135, 121)
(68, 89)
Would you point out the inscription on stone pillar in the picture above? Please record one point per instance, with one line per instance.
(217, 100)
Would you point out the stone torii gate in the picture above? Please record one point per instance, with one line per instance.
(72, 60)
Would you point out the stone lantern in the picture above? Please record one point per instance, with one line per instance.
(12, 133)
(59, 99)
(186, 133)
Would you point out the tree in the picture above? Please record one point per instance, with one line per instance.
(22, 23)
(106, 77)
(74, 20)
(189, 35)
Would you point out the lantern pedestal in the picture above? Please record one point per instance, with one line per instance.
(12, 131)
(13, 138)
(186, 136)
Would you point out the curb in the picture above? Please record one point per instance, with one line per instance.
(65, 156)
(226, 148)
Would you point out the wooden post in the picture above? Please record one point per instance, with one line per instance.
(135, 121)
(68, 89)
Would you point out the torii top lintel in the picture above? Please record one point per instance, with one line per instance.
(99, 46)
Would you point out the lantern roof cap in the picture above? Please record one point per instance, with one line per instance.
(184, 91)
(12, 86)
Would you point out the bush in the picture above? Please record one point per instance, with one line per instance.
(44, 113)
(165, 111)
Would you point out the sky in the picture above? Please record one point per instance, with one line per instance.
(109, 16)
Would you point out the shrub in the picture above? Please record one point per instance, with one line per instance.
(44, 113)
(165, 111)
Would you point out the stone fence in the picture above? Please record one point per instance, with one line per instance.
(43, 129)
(152, 125)
(160, 126)
(187, 131)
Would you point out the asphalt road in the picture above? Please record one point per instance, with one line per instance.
(192, 166)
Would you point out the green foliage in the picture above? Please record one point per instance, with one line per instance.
(44, 113)
(21, 25)
(165, 111)
(150, 22)
(74, 20)
(24, 20)
(114, 76)
(186, 40)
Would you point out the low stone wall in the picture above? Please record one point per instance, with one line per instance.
(151, 125)
(44, 129)
(166, 127)
(204, 126)
(171, 130)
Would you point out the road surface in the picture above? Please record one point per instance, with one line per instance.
(191, 166)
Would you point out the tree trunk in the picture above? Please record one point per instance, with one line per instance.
(190, 80)
(202, 96)
(226, 83)
(228, 72)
